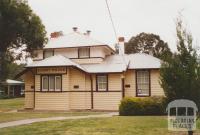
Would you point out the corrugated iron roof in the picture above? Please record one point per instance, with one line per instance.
(12, 82)
(56, 60)
(143, 61)
(113, 63)
(74, 39)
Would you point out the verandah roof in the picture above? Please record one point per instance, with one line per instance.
(113, 63)
(54, 61)
(11, 82)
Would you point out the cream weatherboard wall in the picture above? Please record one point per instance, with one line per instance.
(156, 89)
(80, 98)
(52, 100)
(29, 89)
(97, 54)
(108, 100)
(88, 60)
(76, 91)
(130, 79)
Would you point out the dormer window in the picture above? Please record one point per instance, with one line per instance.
(48, 53)
(84, 52)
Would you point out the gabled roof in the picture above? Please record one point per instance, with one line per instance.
(12, 82)
(74, 39)
(56, 60)
(120, 63)
(113, 63)
(143, 61)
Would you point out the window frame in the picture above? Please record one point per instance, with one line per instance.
(50, 90)
(47, 51)
(84, 57)
(42, 84)
(56, 83)
(136, 82)
(97, 84)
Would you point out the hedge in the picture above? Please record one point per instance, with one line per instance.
(142, 106)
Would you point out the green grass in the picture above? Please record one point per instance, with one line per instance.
(118, 125)
(18, 103)
(11, 104)
(6, 117)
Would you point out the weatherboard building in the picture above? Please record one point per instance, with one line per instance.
(74, 71)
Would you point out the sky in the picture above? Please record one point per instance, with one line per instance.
(130, 17)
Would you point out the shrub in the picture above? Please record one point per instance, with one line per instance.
(4, 97)
(142, 106)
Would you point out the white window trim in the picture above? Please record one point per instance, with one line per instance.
(106, 83)
(43, 83)
(50, 82)
(48, 78)
(56, 83)
(149, 84)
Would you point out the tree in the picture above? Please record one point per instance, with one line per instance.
(14, 69)
(19, 28)
(147, 43)
(180, 75)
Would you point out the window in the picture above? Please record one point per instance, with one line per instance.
(190, 111)
(51, 83)
(143, 83)
(48, 53)
(102, 82)
(173, 111)
(58, 83)
(181, 111)
(84, 52)
(45, 83)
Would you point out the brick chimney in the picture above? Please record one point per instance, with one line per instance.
(56, 34)
(121, 45)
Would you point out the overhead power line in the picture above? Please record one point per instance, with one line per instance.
(115, 32)
(112, 22)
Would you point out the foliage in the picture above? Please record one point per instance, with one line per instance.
(142, 106)
(148, 43)
(180, 75)
(14, 69)
(19, 28)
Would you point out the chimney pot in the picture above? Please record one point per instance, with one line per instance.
(56, 34)
(121, 39)
(121, 45)
(75, 29)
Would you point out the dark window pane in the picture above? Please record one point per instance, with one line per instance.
(172, 111)
(181, 111)
(190, 111)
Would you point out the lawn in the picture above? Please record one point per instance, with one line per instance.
(118, 125)
(11, 104)
(7, 105)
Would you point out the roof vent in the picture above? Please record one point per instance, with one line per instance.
(75, 29)
(88, 32)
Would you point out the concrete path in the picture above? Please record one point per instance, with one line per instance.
(29, 121)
